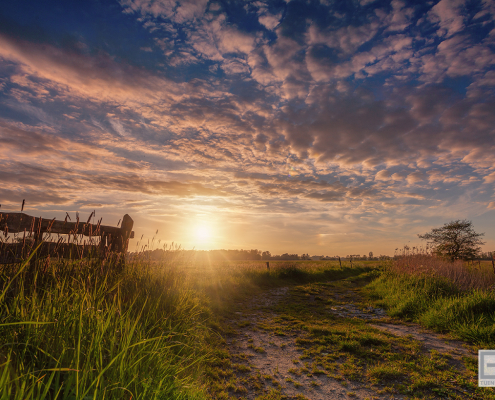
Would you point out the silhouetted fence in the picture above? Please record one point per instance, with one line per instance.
(30, 230)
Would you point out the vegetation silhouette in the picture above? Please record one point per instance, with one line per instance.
(456, 240)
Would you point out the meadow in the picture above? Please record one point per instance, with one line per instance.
(156, 329)
(455, 297)
(86, 329)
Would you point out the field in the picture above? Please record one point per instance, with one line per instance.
(179, 329)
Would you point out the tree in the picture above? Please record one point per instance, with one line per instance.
(455, 240)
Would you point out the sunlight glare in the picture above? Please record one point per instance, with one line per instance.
(203, 233)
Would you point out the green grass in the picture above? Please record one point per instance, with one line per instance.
(77, 332)
(155, 330)
(152, 330)
(438, 304)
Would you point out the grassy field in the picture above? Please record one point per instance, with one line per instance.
(78, 330)
(156, 329)
(443, 296)
(81, 330)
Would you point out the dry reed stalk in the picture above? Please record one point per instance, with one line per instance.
(89, 219)
(461, 275)
(97, 232)
(31, 229)
(58, 244)
(38, 232)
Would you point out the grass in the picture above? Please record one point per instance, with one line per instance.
(460, 274)
(422, 289)
(351, 351)
(153, 329)
(77, 332)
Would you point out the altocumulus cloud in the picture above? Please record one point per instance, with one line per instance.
(347, 107)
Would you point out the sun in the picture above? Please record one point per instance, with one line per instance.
(202, 233)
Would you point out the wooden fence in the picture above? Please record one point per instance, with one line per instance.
(31, 230)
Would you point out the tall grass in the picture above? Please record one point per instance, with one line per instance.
(76, 332)
(445, 296)
(462, 275)
(88, 330)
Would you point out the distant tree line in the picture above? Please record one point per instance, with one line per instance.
(254, 254)
(486, 255)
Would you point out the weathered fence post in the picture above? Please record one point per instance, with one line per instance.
(123, 240)
(268, 266)
(126, 227)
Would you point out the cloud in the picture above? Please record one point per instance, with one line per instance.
(415, 177)
(136, 184)
(398, 176)
(346, 39)
(177, 11)
(382, 175)
(118, 127)
(400, 17)
(328, 197)
(32, 197)
(233, 41)
(366, 119)
(489, 178)
(448, 15)
(98, 78)
(456, 56)
(269, 21)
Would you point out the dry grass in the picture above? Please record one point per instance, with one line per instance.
(464, 276)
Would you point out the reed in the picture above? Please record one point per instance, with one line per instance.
(465, 277)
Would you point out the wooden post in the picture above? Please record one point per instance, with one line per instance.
(126, 227)
(351, 261)
(122, 241)
(340, 263)
(268, 266)
(493, 261)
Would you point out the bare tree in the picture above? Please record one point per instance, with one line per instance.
(455, 240)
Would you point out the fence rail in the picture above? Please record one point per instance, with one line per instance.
(113, 239)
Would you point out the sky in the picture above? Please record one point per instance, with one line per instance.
(322, 127)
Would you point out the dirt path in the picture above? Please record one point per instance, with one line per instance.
(321, 341)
